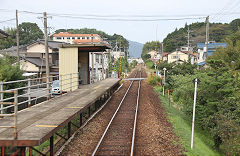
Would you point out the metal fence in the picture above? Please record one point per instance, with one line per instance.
(33, 91)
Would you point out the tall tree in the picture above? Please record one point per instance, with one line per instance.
(29, 32)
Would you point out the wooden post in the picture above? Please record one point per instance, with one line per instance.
(80, 119)
(51, 146)
(23, 151)
(69, 130)
(2, 151)
(30, 151)
(89, 111)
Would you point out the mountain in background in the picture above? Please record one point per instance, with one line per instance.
(135, 49)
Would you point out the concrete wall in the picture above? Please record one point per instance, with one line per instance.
(68, 63)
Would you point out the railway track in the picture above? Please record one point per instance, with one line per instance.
(119, 136)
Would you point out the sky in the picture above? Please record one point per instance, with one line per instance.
(141, 31)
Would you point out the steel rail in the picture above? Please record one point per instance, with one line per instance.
(135, 118)
(86, 122)
(110, 122)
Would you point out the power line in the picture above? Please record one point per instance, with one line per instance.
(127, 19)
(8, 20)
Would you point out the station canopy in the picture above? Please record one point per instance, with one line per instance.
(101, 47)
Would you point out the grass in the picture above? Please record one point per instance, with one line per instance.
(203, 142)
(149, 64)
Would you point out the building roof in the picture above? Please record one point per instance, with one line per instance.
(12, 51)
(165, 54)
(3, 34)
(101, 47)
(79, 41)
(36, 61)
(51, 44)
(211, 45)
(67, 34)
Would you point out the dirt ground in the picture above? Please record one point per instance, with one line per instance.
(154, 134)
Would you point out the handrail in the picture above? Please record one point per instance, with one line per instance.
(13, 114)
(32, 87)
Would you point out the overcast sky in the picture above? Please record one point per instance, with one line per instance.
(140, 31)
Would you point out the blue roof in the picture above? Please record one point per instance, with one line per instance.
(202, 63)
(211, 45)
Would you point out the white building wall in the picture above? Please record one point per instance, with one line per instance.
(37, 48)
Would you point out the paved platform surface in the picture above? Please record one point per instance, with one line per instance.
(38, 123)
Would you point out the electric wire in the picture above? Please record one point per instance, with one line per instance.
(8, 20)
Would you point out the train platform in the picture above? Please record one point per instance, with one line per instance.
(39, 122)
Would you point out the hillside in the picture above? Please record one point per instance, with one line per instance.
(217, 32)
(135, 49)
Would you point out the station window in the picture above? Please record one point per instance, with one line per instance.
(68, 38)
(59, 38)
(73, 38)
(83, 38)
(97, 58)
(78, 38)
(87, 38)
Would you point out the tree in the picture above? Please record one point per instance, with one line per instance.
(10, 40)
(29, 32)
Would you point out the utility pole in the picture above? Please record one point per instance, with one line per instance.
(164, 78)
(207, 35)
(188, 44)
(196, 81)
(120, 54)
(46, 52)
(17, 38)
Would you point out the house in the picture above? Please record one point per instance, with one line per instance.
(186, 49)
(12, 51)
(98, 63)
(202, 54)
(117, 54)
(165, 56)
(3, 34)
(152, 53)
(179, 57)
(33, 65)
(76, 38)
(34, 59)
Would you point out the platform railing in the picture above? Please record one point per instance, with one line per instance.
(15, 92)
(32, 90)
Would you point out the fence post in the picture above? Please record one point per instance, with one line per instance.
(1, 96)
(48, 88)
(60, 83)
(15, 112)
(70, 82)
(29, 90)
